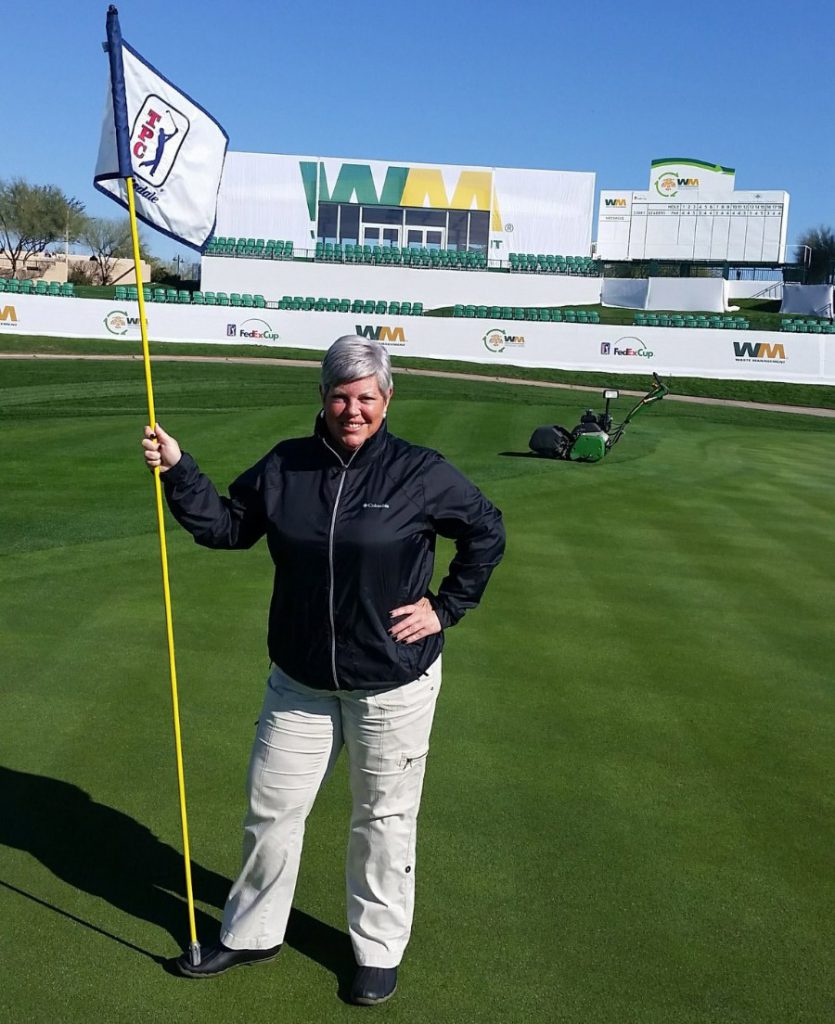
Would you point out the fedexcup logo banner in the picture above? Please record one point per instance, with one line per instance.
(177, 152)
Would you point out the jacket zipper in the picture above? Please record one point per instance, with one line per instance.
(332, 580)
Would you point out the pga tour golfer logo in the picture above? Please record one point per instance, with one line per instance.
(159, 132)
(497, 340)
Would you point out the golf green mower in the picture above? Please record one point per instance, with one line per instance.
(594, 436)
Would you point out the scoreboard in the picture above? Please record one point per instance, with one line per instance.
(692, 212)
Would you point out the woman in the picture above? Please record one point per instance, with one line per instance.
(350, 514)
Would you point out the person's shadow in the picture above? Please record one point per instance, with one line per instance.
(107, 853)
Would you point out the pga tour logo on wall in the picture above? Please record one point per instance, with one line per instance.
(625, 347)
(158, 134)
(497, 340)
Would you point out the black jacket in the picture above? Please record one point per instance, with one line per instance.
(351, 540)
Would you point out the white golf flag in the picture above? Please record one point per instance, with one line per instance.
(176, 151)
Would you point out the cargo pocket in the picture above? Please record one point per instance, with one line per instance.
(413, 759)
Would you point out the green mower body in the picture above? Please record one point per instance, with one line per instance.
(589, 447)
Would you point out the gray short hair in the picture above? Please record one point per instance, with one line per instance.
(352, 358)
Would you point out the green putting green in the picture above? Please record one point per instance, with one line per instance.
(629, 802)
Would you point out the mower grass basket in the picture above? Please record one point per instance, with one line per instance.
(593, 437)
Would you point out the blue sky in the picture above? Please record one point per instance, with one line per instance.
(603, 87)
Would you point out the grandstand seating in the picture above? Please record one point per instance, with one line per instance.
(29, 287)
(809, 325)
(394, 256)
(368, 307)
(544, 314)
(701, 320)
(540, 263)
(252, 248)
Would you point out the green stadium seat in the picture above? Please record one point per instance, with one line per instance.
(333, 305)
(260, 301)
(380, 308)
(209, 298)
(417, 309)
(320, 305)
(197, 299)
(235, 299)
(54, 286)
(356, 306)
(405, 308)
(368, 306)
(394, 308)
(222, 299)
(458, 310)
(247, 300)
(27, 287)
(13, 285)
(184, 297)
(171, 295)
(68, 290)
(344, 305)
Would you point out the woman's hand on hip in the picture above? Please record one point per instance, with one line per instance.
(161, 449)
(419, 620)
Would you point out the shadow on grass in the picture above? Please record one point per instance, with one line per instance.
(108, 854)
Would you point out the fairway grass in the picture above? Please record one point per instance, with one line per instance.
(629, 800)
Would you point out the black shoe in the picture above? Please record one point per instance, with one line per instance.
(220, 958)
(373, 985)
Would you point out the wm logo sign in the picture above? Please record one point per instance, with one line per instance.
(8, 314)
(616, 202)
(393, 335)
(759, 350)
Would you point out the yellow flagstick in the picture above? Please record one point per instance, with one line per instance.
(194, 946)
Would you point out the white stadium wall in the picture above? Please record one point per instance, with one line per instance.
(740, 355)
(434, 288)
(264, 195)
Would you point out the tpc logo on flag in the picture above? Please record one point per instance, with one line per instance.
(166, 143)
(157, 137)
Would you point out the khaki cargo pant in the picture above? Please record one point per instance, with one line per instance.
(300, 734)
